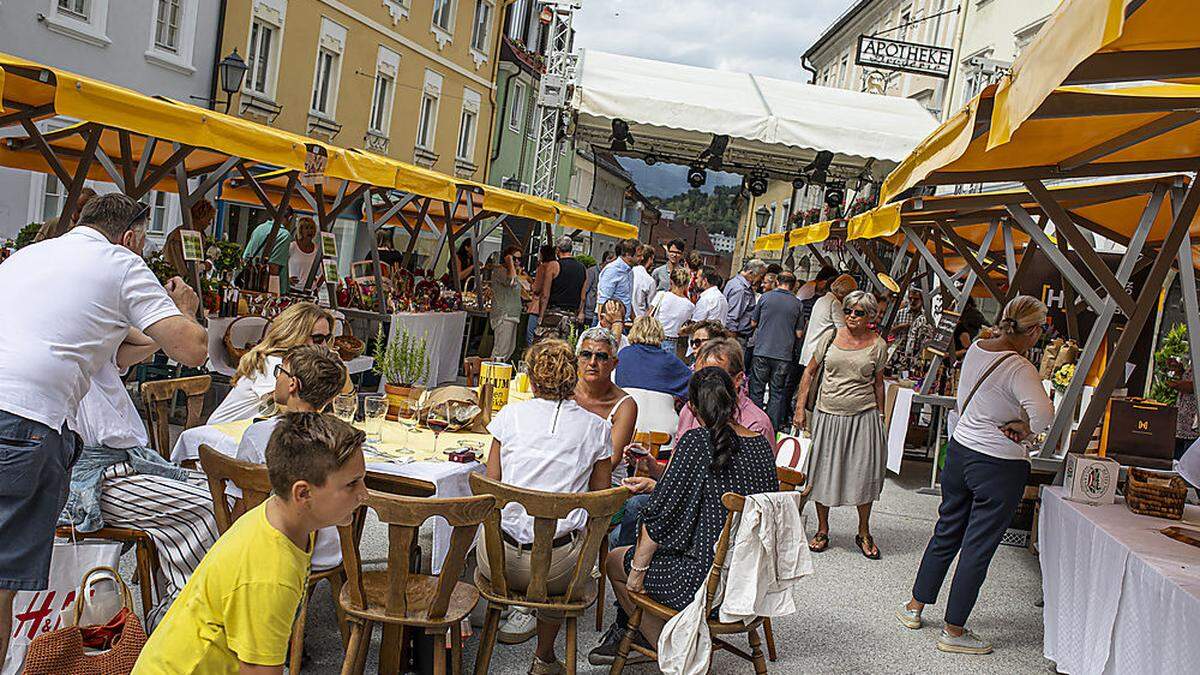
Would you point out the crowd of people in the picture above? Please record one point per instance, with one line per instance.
(716, 366)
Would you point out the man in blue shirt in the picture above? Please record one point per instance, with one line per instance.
(616, 279)
(778, 320)
(739, 293)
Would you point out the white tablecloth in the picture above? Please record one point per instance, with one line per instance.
(1120, 596)
(443, 333)
(218, 356)
(450, 479)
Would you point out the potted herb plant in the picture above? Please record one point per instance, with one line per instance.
(402, 363)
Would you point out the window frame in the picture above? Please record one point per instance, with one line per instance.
(90, 25)
(159, 24)
(381, 111)
(159, 213)
(83, 14)
(324, 81)
(59, 196)
(520, 99)
(427, 123)
(449, 8)
(482, 35)
(258, 27)
(466, 154)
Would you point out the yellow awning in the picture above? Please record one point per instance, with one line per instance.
(591, 222)
(769, 242)
(881, 222)
(1094, 41)
(1076, 131)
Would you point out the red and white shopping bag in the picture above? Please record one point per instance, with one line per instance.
(792, 450)
(37, 612)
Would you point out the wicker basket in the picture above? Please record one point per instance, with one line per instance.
(1151, 494)
(236, 352)
(346, 345)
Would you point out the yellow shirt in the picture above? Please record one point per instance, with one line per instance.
(239, 604)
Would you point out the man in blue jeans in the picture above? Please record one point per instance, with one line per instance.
(73, 300)
(778, 322)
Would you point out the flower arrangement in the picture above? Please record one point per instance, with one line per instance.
(1063, 376)
(1170, 364)
(812, 216)
(859, 205)
(159, 265)
(402, 362)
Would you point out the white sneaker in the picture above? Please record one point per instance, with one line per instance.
(911, 618)
(967, 643)
(520, 625)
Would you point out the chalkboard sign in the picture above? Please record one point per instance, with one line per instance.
(943, 334)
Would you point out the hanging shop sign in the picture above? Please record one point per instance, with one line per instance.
(909, 57)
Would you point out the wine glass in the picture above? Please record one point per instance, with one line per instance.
(345, 406)
(374, 410)
(407, 415)
(438, 422)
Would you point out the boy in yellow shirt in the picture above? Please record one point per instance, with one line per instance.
(235, 614)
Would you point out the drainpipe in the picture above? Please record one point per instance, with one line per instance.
(963, 8)
(213, 75)
(806, 66)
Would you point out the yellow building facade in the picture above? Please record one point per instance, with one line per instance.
(410, 79)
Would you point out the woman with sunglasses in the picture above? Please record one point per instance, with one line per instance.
(300, 324)
(849, 455)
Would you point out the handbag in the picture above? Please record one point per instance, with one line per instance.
(61, 652)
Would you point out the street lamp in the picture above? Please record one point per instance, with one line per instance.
(232, 70)
(763, 216)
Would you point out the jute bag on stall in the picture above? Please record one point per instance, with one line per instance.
(462, 403)
(84, 648)
(38, 612)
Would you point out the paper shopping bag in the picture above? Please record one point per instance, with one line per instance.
(38, 612)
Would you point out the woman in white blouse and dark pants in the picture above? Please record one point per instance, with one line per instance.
(1002, 403)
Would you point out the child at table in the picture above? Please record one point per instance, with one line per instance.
(307, 380)
(236, 612)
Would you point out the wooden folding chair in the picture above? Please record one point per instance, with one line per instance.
(400, 597)
(546, 509)
(158, 397)
(734, 503)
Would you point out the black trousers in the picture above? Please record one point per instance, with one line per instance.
(768, 372)
(795, 373)
(980, 493)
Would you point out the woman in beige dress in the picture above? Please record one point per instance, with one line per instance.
(849, 455)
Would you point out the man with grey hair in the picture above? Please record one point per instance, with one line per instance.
(739, 294)
(74, 303)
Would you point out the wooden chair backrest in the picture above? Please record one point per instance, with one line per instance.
(472, 365)
(652, 440)
(158, 397)
(789, 479)
(546, 509)
(734, 504)
(250, 477)
(404, 517)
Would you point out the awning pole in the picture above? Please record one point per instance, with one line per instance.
(1060, 261)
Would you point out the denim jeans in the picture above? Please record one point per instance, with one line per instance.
(773, 373)
(626, 533)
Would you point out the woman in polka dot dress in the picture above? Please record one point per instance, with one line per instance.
(680, 526)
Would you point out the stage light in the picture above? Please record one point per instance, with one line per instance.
(621, 138)
(650, 159)
(799, 182)
(818, 168)
(835, 194)
(696, 176)
(714, 154)
(757, 183)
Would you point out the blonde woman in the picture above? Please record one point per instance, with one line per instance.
(548, 443)
(303, 254)
(673, 308)
(645, 365)
(302, 323)
(849, 456)
(1001, 403)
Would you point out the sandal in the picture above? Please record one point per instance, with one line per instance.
(867, 542)
(819, 543)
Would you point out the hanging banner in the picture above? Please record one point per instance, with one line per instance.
(909, 57)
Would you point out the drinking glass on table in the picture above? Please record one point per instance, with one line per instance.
(407, 414)
(374, 410)
(345, 406)
(438, 420)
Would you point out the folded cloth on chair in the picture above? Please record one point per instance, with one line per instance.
(768, 557)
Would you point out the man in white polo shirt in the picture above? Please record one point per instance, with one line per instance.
(69, 305)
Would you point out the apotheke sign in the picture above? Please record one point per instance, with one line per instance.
(907, 56)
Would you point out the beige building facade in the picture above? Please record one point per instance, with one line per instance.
(410, 79)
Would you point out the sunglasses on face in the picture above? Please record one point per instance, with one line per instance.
(320, 338)
(280, 369)
(588, 355)
(859, 313)
(697, 342)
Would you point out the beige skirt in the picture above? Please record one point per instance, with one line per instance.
(848, 459)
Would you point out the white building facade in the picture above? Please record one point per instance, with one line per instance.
(994, 34)
(157, 47)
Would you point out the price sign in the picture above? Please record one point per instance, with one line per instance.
(331, 271)
(193, 245)
(328, 245)
(943, 334)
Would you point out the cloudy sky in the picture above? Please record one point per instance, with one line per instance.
(764, 37)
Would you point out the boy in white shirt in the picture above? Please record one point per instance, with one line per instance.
(307, 380)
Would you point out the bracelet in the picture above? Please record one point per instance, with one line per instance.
(635, 568)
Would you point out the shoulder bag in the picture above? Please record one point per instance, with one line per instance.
(810, 403)
(986, 373)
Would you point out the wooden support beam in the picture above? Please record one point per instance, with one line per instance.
(75, 186)
(160, 172)
(1072, 277)
(932, 262)
(148, 149)
(1152, 129)
(963, 248)
(126, 156)
(47, 152)
(1147, 301)
(28, 114)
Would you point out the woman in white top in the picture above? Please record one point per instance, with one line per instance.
(827, 314)
(254, 381)
(673, 308)
(303, 253)
(1002, 403)
(547, 443)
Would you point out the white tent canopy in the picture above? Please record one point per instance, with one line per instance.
(779, 125)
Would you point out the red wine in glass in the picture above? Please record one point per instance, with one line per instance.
(437, 425)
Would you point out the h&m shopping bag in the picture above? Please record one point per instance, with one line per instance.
(38, 612)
